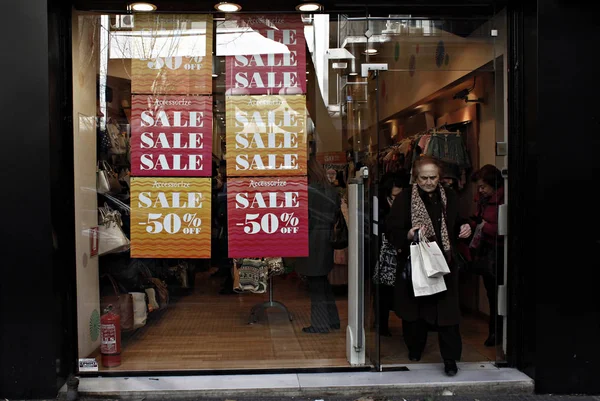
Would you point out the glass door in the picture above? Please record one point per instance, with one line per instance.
(435, 90)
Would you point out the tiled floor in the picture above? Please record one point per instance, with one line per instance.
(208, 331)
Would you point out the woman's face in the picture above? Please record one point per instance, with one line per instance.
(331, 174)
(484, 189)
(428, 177)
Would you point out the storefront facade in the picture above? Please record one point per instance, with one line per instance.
(281, 100)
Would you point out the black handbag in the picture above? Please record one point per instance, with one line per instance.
(339, 232)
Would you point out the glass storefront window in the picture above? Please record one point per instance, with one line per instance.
(213, 158)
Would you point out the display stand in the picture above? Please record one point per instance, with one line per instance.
(269, 304)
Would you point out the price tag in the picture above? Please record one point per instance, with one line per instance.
(268, 217)
(170, 217)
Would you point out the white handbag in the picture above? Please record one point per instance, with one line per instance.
(422, 284)
(102, 182)
(140, 309)
(434, 260)
(111, 238)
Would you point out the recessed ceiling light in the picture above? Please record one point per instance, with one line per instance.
(228, 7)
(142, 7)
(309, 7)
(371, 51)
(215, 75)
(353, 74)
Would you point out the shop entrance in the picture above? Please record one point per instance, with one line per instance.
(435, 88)
(258, 278)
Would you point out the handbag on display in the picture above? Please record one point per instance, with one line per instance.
(122, 304)
(102, 182)
(107, 180)
(385, 269)
(118, 141)
(140, 309)
(111, 238)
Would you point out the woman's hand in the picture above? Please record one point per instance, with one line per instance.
(411, 233)
(465, 231)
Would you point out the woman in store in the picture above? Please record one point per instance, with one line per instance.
(487, 248)
(433, 209)
(323, 205)
(390, 190)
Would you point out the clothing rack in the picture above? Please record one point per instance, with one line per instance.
(266, 305)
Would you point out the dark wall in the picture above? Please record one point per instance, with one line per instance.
(30, 295)
(557, 222)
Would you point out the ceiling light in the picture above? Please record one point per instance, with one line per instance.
(353, 74)
(228, 7)
(142, 7)
(309, 7)
(371, 51)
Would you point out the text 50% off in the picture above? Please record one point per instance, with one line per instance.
(269, 223)
(172, 223)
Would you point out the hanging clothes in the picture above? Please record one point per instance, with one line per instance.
(451, 148)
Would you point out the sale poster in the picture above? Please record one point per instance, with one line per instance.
(268, 217)
(170, 217)
(274, 63)
(171, 54)
(171, 136)
(266, 136)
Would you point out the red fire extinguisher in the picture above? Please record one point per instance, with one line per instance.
(110, 334)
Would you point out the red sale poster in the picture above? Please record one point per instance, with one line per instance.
(276, 64)
(171, 136)
(268, 217)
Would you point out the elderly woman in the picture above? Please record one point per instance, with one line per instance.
(433, 209)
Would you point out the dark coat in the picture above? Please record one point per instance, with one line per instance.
(439, 309)
(323, 203)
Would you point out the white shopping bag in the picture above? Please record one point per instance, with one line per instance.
(423, 285)
(434, 260)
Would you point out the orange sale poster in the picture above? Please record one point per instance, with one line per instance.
(170, 217)
(172, 54)
(266, 136)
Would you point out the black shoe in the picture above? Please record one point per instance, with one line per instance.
(413, 356)
(490, 341)
(312, 330)
(335, 326)
(450, 367)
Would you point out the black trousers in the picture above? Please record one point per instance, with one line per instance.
(323, 311)
(495, 322)
(386, 304)
(415, 337)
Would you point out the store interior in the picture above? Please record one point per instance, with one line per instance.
(198, 316)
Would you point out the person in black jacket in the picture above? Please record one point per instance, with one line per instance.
(323, 204)
(433, 210)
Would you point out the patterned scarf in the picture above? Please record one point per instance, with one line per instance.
(420, 217)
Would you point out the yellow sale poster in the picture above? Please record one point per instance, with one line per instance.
(172, 54)
(266, 136)
(170, 217)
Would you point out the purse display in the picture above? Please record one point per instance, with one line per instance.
(111, 239)
(122, 304)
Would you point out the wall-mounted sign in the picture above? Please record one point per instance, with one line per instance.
(274, 60)
(267, 217)
(266, 136)
(170, 217)
(170, 54)
(171, 136)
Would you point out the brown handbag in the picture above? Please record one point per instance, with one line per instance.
(162, 290)
(122, 305)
